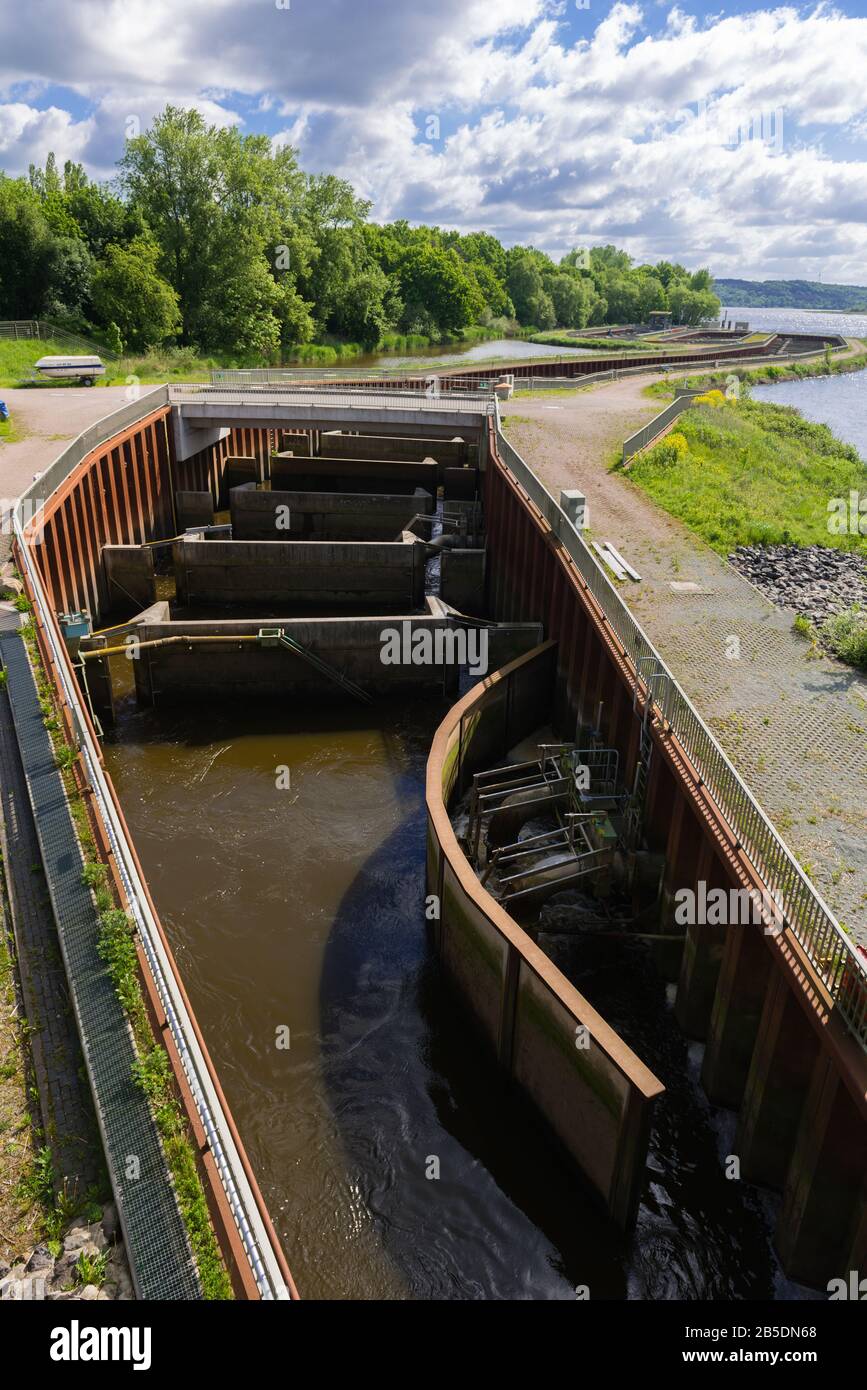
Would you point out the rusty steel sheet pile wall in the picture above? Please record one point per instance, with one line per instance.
(592, 1091)
(206, 470)
(120, 491)
(752, 991)
(120, 494)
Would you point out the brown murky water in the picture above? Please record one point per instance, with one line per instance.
(301, 908)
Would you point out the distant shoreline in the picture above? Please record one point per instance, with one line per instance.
(730, 308)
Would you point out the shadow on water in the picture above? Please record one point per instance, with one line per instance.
(410, 1084)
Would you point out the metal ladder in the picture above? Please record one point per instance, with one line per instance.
(634, 819)
(324, 669)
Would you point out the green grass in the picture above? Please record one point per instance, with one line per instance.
(90, 1269)
(563, 338)
(10, 432)
(753, 474)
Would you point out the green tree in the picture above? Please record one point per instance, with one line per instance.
(570, 294)
(364, 309)
(438, 291)
(129, 292)
(526, 289)
(692, 306)
(29, 252)
(226, 212)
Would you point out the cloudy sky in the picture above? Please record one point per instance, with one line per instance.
(730, 135)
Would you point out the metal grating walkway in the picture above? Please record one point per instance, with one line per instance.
(65, 1102)
(159, 1253)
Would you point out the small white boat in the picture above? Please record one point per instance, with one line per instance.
(83, 369)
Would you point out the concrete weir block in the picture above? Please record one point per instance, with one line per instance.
(352, 475)
(301, 574)
(194, 509)
(324, 516)
(241, 468)
(574, 504)
(179, 671)
(394, 449)
(129, 574)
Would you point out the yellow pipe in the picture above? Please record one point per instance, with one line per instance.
(116, 627)
(164, 642)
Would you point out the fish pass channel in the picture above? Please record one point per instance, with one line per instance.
(393, 1161)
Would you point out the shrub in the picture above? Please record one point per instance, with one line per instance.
(712, 398)
(667, 452)
(846, 635)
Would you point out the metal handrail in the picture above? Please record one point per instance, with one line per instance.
(805, 913)
(328, 396)
(239, 1194)
(655, 427)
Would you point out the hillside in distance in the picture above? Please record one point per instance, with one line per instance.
(790, 294)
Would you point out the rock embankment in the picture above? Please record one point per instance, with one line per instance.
(94, 1249)
(815, 580)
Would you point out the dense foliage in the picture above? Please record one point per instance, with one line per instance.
(791, 294)
(220, 241)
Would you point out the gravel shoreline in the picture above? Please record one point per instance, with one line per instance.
(816, 580)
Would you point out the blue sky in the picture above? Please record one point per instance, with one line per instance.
(734, 136)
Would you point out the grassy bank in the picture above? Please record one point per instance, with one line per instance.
(752, 474)
(827, 365)
(17, 358)
(565, 339)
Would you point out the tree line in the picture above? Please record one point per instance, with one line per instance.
(211, 239)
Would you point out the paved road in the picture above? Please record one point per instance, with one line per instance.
(795, 726)
(48, 418)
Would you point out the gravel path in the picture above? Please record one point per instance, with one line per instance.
(794, 722)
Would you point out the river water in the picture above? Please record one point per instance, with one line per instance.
(301, 908)
(801, 321)
(837, 401)
(505, 349)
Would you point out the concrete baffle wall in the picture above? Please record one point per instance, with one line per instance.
(241, 469)
(447, 452)
(194, 509)
(594, 1094)
(372, 576)
(462, 580)
(176, 663)
(327, 516)
(289, 473)
(129, 575)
